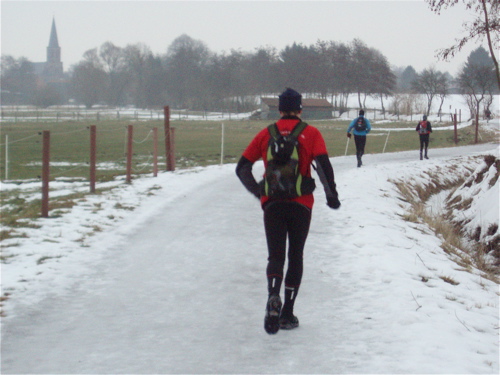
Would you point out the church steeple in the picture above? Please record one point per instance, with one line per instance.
(53, 50)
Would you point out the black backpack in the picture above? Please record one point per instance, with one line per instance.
(360, 125)
(282, 179)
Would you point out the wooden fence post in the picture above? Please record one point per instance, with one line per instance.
(455, 128)
(92, 157)
(222, 145)
(45, 173)
(130, 135)
(168, 139)
(155, 152)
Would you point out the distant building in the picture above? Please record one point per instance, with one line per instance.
(311, 109)
(52, 84)
(51, 71)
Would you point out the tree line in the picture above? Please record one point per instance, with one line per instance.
(190, 76)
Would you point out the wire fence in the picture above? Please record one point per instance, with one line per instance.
(69, 113)
(70, 153)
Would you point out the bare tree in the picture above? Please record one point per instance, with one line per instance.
(430, 83)
(88, 83)
(298, 66)
(443, 88)
(486, 24)
(405, 78)
(146, 76)
(18, 80)
(476, 81)
(340, 69)
(382, 80)
(186, 62)
(260, 68)
(343, 70)
(111, 56)
(362, 59)
(114, 64)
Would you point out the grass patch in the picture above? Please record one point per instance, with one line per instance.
(449, 280)
(197, 143)
(14, 216)
(3, 298)
(46, 258)
(5, 258)
(10, 233)
(18, 212)
(23, 213)
(120, 206)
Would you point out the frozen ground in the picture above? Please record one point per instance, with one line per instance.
(167, 275)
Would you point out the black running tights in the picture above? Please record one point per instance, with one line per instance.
(360, 141)
(424, 142)
(284, 220)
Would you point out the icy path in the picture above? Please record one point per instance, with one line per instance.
(185, 292)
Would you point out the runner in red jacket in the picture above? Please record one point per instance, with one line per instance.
(424, 129)
(287, 218)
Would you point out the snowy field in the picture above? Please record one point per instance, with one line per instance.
(452, 104)
(167, 275)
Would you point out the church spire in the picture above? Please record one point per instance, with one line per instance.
(53, 50)
(53, 43)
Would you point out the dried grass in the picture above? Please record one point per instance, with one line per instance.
(467, 254)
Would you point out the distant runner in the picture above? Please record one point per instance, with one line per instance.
(360, 127)
(424, 128)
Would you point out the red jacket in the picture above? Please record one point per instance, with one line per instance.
(311, 145)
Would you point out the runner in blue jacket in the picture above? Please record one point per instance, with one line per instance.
(360, 127)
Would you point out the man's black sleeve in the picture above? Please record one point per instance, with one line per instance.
(244, 173)
(327, 178)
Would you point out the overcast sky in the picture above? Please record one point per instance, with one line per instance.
(405, 31)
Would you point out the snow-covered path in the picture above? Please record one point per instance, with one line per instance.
(184, 291)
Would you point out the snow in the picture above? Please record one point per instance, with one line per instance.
(167, 275)
(484, 197)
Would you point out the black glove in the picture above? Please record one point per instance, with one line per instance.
(348, 135)
(333, 202)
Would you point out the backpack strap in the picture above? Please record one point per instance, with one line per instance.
(274, 131)
(298, 129)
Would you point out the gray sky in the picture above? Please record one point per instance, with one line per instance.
(405, 31)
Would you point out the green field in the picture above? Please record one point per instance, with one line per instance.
(197, 143)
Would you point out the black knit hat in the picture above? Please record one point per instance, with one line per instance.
(290, 100)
